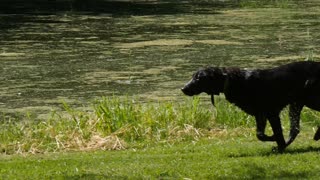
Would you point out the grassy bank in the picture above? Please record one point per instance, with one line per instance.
(187, 139)
(116, 123)
(121, 123)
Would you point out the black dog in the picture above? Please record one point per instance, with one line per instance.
(263, 93)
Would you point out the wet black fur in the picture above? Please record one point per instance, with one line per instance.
(263, 93)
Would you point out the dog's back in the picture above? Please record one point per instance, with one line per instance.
(270, 90)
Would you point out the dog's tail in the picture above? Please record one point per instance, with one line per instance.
(317, 134)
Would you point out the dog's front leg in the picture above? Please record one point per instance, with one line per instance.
(277, 132)
(261, 122)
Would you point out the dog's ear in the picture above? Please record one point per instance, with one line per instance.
(202, 74)
(220, 72)
(199, 74)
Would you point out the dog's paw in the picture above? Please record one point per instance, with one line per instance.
(277, 149)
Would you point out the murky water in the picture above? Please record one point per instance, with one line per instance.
(144, 50)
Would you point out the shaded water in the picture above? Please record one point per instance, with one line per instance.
(147, 49)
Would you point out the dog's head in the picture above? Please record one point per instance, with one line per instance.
(209, 80)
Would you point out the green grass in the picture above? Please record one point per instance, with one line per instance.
(113, 123)
(237, 157)
(122, 123)
(168, 140)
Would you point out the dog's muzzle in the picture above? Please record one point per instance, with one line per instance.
(187, 91)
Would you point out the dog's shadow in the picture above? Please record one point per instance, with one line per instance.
(297, 150)
(300, 150)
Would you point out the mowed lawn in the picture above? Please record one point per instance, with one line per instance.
(233, 156)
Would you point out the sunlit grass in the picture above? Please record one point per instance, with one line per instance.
(185, 139)
(236, 157)
(112, 124)
(120, 123)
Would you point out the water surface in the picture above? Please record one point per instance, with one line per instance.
(146, 50)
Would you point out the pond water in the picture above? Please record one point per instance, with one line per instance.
(147, 50)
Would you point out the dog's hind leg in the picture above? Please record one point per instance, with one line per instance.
(261, 122)
(277, 132)
(294, 114)
(313, 102)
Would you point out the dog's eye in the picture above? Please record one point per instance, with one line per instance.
(200, 76)
(195, 77)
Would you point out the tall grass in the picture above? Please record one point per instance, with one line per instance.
(118, 123)
(149, 120)
(113, 124)
(230, 116)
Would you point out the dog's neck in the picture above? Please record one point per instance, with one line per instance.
(220, 75)
(234, 74)
(224, 75)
